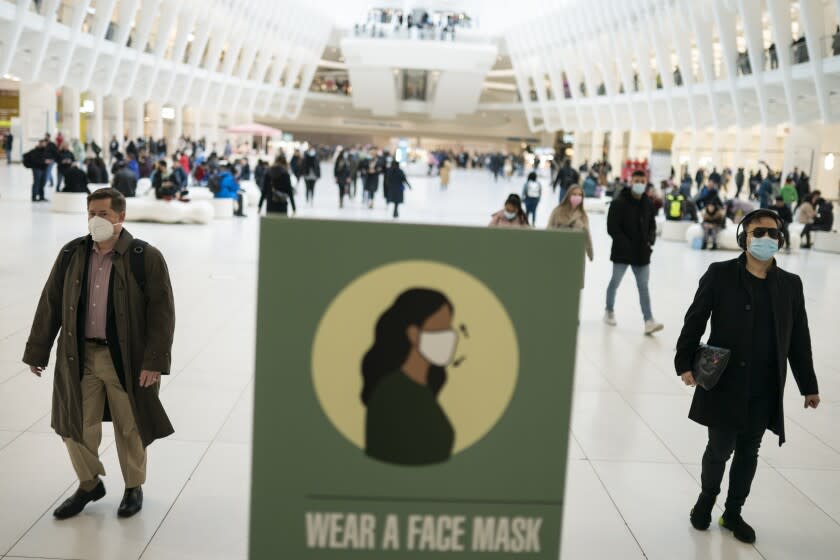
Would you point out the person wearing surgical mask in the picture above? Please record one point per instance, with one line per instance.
(403, 374)
(757, 312)
(571, 215)
(631, 223)
(115, 331)
(512, 215)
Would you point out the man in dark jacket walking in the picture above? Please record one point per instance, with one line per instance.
(758, 314)
(631, 223)
(38, 161)
(114, 342)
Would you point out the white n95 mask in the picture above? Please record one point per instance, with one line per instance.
(101, 229)
(438, 347)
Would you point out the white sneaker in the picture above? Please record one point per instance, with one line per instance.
(652, 327)
(609, 318)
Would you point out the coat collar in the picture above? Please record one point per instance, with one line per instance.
(121, 247)
(771, 274)
(124, 242)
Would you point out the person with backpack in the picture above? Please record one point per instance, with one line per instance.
(277, 191)
(38, 161)
(311, 171)
(227, 188)
(114, 343)
(531, 194)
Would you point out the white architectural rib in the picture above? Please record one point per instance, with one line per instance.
(11, 42)
(104, 12)
(47, 23)
(148, 15)
(128, 11)
(79, 14)
(681, 40)
(186, 26)
(811, 16)
(702, 28)
(750, 12)
(780, 26)
(168, 18)
(726, 32)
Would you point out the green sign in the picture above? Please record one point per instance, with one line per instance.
(413, 390)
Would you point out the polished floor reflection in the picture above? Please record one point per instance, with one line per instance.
(633, 459)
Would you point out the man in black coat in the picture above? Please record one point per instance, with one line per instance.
(631, 222)
(758, 313)
(38, 161)
(75, 180)
(125, 180)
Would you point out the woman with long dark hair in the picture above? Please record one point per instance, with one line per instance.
(512, 215)
(403, 372)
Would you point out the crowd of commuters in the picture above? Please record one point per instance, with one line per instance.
(751, 289)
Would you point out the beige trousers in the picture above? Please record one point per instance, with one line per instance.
(100, 380)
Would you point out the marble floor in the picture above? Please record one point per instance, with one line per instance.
(633, 459)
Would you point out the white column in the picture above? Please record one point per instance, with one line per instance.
(137, 113)
(71, 122)
(155, 120)
(213, 138)
(177, 128)
(196, 130)
(97, 133)
(119, 120)
(37, 112)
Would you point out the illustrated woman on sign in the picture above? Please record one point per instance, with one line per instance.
(403, 374)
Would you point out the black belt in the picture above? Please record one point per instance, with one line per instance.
(97, 341)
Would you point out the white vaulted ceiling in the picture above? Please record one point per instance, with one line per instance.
(609, 64)
(256, 55)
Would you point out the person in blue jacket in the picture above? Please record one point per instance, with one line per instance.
(229, 188)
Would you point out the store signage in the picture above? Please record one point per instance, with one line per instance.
(412, 395)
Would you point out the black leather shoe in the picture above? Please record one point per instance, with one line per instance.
(132, 502)
(701, 513)
(740, 528)
(74, 505)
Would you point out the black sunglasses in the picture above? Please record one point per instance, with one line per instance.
(760, 232)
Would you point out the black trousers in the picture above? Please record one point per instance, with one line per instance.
(745, 444)
(310, 189)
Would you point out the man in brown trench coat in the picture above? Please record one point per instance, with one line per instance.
(114, 342)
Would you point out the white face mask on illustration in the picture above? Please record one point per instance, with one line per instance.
(438, 347)
(101, 230)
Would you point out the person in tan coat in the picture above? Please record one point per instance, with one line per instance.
(445, 174)
(109, 300)
(571, 215)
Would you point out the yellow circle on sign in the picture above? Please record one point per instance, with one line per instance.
(477, 391)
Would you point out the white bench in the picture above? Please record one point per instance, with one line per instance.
(222, 208)
(168, 211)
(252, 192)
(69, 203)
(674, 230)
(596, 205)
(726, 237)
(826, 241)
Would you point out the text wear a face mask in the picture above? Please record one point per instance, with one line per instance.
(510, 216)
(639, 188)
